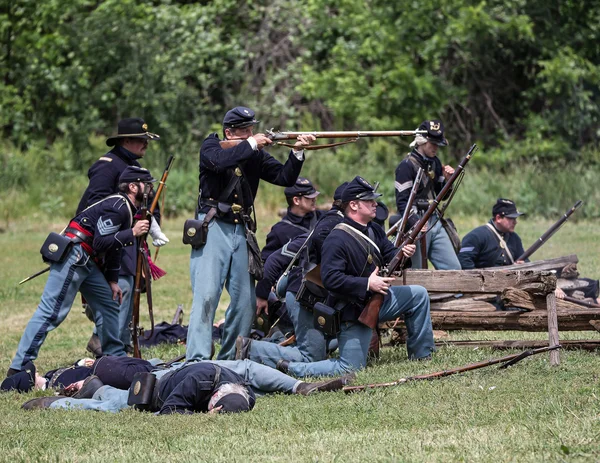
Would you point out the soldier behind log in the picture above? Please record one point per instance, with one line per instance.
(96, 236)
(496, 244)
(424, 154)
(229, 181)
(128, 148)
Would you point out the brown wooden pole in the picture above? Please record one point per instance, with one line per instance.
(552, 328)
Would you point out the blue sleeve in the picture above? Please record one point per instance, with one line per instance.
(272, 243)
(469, 250)
(217, 159)
(273, 171)
(104, 179)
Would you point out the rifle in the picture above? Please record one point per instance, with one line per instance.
(551, 231)
(401, 224)
(352, 136)
(159, 190)
(143, 266)
(508, 360)
(370, 314)
(574, 300)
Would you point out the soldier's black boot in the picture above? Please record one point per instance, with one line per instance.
(283, 365)
(41, 402)
(334, 384)
(242, 348)
(88, 388)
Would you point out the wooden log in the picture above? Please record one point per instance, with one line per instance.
(557, 264)
(584, 344)
(536, 320)
(464, 305)
(552, 329)
(443, 297)
(479, 281)
(522, 299)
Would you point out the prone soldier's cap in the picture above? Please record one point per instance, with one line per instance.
(435, 132)
(302, 187)
(238, 118)
(360, 189)
(132, 127)
(506, 208)
(134, 174)
(24, 381)
(234, 403)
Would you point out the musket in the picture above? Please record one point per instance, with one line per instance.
(507, 361)
(136, 329)
(370, 314)
(159, 190)
(352, 136)
(574, 300)
(551, 231)
(401, 224)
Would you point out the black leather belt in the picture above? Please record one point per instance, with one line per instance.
(79, 236)
(223, 208)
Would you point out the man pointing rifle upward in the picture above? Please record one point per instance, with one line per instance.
(352, 255)
(228, 255)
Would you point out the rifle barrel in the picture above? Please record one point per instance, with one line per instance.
(551, 231)
(444, 373)
(346, 134)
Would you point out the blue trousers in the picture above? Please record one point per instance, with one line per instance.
(125, 309)
(354, 338)
(262, 379)
(76, 273)
(310, 342)
(222, 261)
(439, 249)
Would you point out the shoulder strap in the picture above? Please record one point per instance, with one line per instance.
(107, 198)
(502, 242)
(362, 239)
(304, 229)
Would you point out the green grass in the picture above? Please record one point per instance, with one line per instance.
(531, 412)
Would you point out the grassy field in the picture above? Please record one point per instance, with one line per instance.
(531, 412)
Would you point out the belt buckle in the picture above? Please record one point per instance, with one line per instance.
(236, 208)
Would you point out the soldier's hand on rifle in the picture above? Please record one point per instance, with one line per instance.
(117, 294)
(379, 284)
(304, 140)
(158, 237)
(559, 293)
(262, 305)
(408, 250)
(448, 171)
(520, 262)
(141, 227)
(262, 140)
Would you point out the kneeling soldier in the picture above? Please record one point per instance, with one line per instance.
(94, 237)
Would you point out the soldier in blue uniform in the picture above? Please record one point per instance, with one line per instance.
(424, 154)
(301, 216)
(229, 181)
(128, 148)
(351, 257)
(494, 244)
(310, 342)
(98, 235)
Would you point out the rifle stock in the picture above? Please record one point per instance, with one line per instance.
(551, 231)
(370, 314)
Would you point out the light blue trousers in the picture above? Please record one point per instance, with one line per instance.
(222, 261)
(262, 379)
(439, 249)
(310, 342)
(125, 309)
(354, 338)
(76, 273)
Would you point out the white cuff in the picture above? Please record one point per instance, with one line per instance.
(299, 154)
(253, 143)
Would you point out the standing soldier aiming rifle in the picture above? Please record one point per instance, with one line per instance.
(225, 252)
(440, 250)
